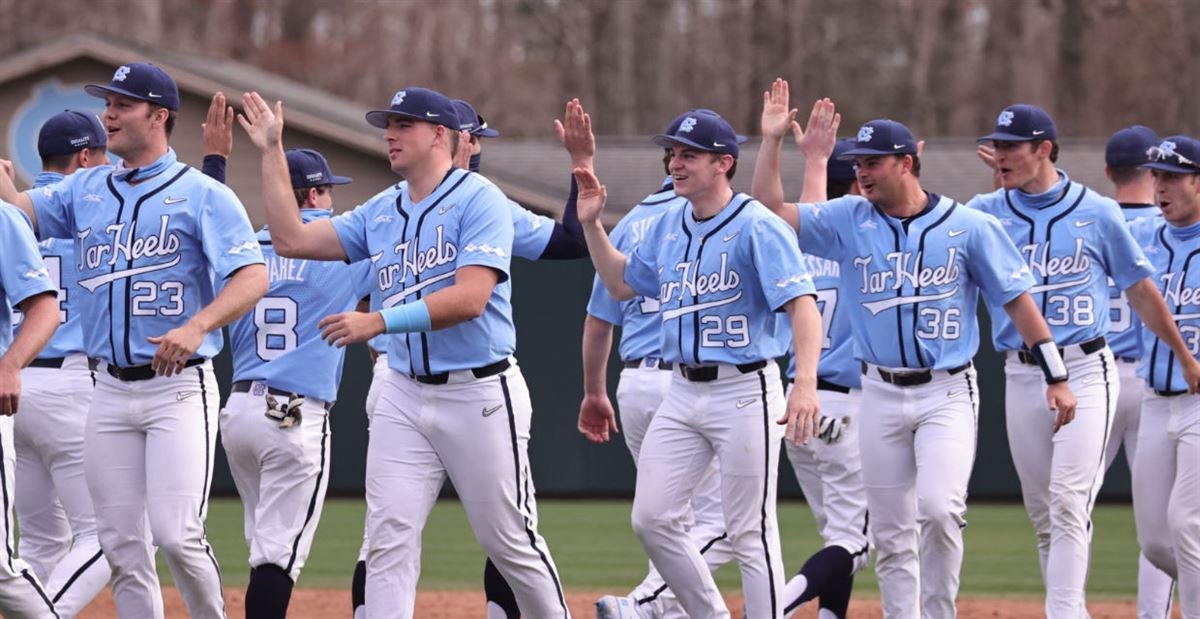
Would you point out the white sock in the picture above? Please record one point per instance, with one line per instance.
(794, 589)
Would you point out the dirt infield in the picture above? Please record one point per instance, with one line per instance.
(325, 603)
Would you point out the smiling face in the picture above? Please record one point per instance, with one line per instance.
(1020, 163)
(881, 178)
(696, 172)
(133, 126)
(1178, 196)
(409, 142)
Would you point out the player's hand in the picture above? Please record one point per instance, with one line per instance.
(575, 133)
(592, 196)
(1061, 401)
(987, 154)
(1191, 374)
(596, 418)
(816, 140)
(175, 347)
(803, 413)
(351, 327)
(10, 388)
(262, 124)
(462, 156)
(777, 117)
(218, 127)
(831, 429)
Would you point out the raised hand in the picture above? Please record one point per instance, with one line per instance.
(462, 156)
(816, 140)
(263, 125)
(575, 133)
(777, 117)
(218, 127)
(592, 196)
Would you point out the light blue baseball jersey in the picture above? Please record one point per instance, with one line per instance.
(1073, 239)
(911, 289)
(720, 281)
(531, 232)
(146, 253)
(59, 256)
(1174, 252)
(839, 362)
(278, 341)
(1125, 328)
(416, 248)
(22, 272)
(641, 326)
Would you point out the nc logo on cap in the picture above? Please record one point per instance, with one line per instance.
(1167, 148)
(398, 98)
(865, 133)
(687, 125)
(1005, 119)
(121, 74)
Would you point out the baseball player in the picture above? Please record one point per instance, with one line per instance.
(454, 403)
(24, 283)
(643, 385)
(152, 235)
(535, 237)
(723, 268)
(1167, 466)
(1124, 152)
(58, 522)
(916, 262)
(1072, 240)
(828, 470)
(275, 425)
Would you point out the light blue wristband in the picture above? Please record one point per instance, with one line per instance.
(407, 318)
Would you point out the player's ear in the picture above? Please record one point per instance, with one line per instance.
(82, 157)
(1043, 148)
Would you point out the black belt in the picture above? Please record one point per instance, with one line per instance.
(1128, 359)
(658, 363)
(824, 385)
(708, 373)
(1088, 347)
(243, 386)
(49, 362)
(912, 379)
(480, 372)
(142, 372)
(1169, 394)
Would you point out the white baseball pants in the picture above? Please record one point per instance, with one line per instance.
(378, 372)
(53, 505)
(149, 457)
(1166, 491)
(918, 447)
(21, 593)
(731, 418)
(1155, 587)
(1061, 472)
(476, 433)
(281, 475)
(640, 393)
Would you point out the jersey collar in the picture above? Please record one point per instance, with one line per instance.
(732, 208)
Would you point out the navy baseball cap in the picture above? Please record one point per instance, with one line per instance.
(881, 137)
(1129, 146)
(69, 132)
(142, 81)
(705, 131)
(308, 168)
(671, 128)
(1178, 153)
(470, 120)
(1022, 123)
(418, 104)
(841, 170)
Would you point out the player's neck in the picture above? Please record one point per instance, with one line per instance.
(706, 205)
(912, 201)
(144, 156)
(1046, 177)
(1136, 193)
(424, 178)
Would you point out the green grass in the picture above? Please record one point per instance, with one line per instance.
(595, 549)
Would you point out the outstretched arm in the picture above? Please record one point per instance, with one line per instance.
(292, 238)
(767, 184)
(609, 261)
(218, 137)
(816, 142)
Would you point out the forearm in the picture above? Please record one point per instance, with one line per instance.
(609, 262)
(283, 218)
(245, 287)
(40, 322)
(1028, 320)
(767, 186)
(597, 343)
(816, 178)
(1145, 299)
(806, 338)
(214, 167)
(566, 240)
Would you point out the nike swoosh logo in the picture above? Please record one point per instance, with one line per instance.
(432, 115)
(442, 211)
(1084, 224)
(183, 395)
(954, 233)
(376, 257)
(1039, 132)
(153, 96)
(897, 146)
(487, 412)
(745, 403)
(954, 393)
(718, 145)
(730, 236)
(170, 200)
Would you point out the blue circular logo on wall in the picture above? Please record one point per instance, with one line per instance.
(46, 99)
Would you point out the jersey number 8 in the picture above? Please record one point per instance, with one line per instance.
(275, 326)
